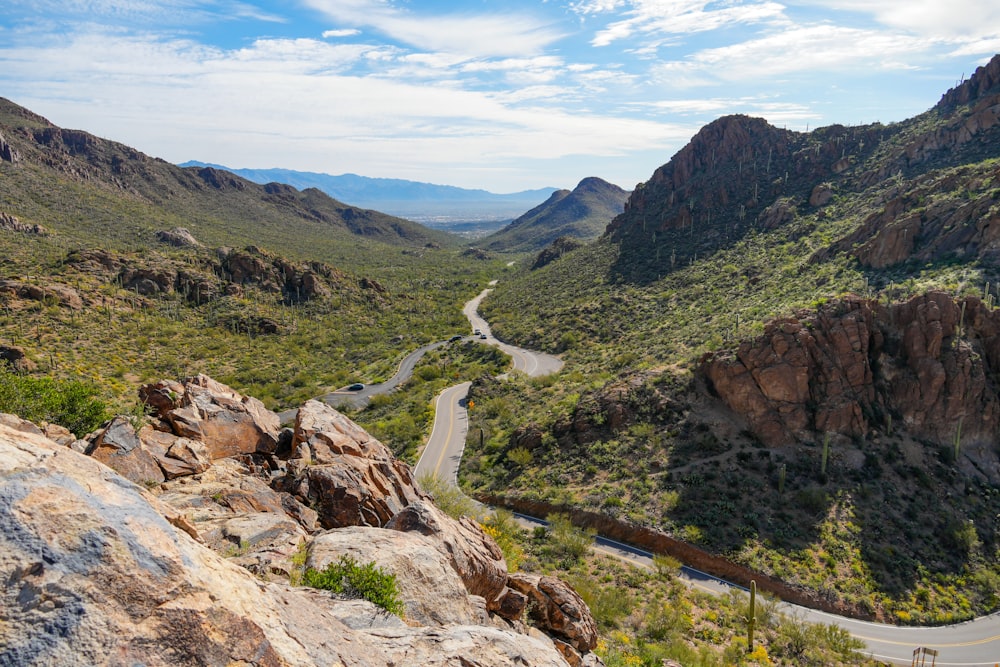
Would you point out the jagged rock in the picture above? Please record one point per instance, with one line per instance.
(178, 236)
(119, 584)
(555, 250)
(162, 396)
(7, 152)
(209, 411)
(16, 358)
(148, 281)
(558, 610)
(176, 456)
(473, 554)
(346, 495)
(465, 646)
(239, 516)
(61, 294)
(431, 591)
(94, 261)
(96, 571)
(356, 481)
(59, 434)
(837, 369)
(330, 435)
(12, 224)
(821, 195)
(17, 424)
(117, 446)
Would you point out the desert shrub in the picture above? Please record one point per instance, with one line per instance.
(366, 581)
(448, 498)
(565, 543)
(503, 528)
(69, 403)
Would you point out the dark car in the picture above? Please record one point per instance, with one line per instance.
(454, 338)
(357, 386)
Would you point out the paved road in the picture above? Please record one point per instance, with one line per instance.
(443, 452)
(359, 399)
(533, 363)
(972, 644)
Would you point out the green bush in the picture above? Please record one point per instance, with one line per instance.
(68, 403)
(365, 581)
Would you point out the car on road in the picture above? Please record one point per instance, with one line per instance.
(357, 386)
(476, 332)
(454, 338)
(483, 336)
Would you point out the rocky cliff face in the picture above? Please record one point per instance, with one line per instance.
(191, 563)
(928, 366)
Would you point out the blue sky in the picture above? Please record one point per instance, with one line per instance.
(501, 95)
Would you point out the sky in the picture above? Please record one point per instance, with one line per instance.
(503, 95)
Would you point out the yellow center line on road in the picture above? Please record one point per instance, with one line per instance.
(451, 427)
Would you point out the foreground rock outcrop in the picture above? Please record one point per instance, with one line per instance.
(191, 565)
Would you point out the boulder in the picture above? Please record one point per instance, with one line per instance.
(92, 573)
(178, 237)
(210, 412)
(351, 478)
(176, 456)
(118, 446)
(472, 553)
(353, 492)
(430, 589)
(97, 571)
(16, 358)
(558, 610)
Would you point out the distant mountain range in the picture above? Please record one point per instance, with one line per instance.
(440, 206)
(583, 213)
(131, 196)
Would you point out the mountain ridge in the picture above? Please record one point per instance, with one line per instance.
(77, 159)
(581, 213)
(397, 196)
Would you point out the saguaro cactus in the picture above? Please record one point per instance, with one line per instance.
(751, 616)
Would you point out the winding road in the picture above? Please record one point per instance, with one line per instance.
(972, 644)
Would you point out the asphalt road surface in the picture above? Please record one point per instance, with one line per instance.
(533, 363)
(360, 398)
(972, 644)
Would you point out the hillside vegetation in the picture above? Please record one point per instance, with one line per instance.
(783, 352)
(117, 268)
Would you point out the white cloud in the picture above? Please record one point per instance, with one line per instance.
(474, 35)
(678, 17)
(954, 19)
(816, 48)
(346, 32)
(296, 102)
(596, 6)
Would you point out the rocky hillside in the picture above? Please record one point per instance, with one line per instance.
(179, 541)
(784, 354)
(582, 213)
(65, 179)
(740, 174)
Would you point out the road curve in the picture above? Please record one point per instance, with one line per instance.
(443, 452)
(971, 644)
(534, 364)
(359, 399)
